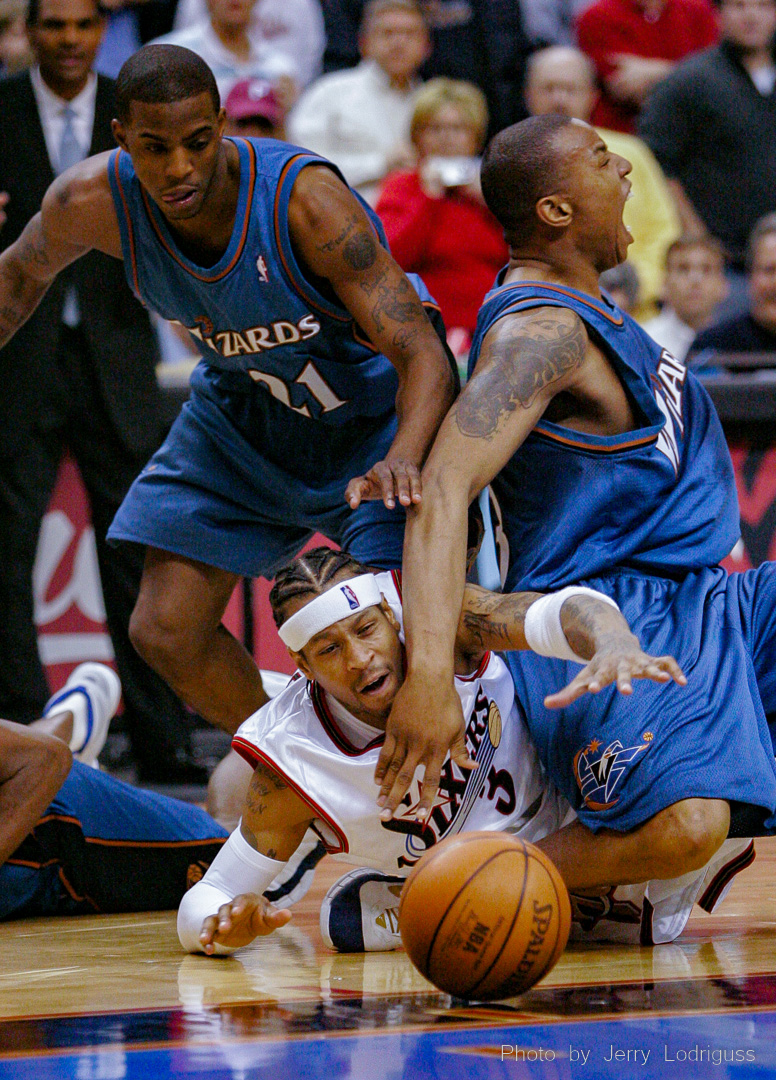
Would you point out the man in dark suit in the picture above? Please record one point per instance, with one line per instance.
(79, 374)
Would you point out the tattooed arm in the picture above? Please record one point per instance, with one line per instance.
(526, 359)
(274, 821)
(76, 215)
(595, 630)
(336, 242)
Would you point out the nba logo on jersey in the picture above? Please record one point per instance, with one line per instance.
(350, 596)
(261, 266)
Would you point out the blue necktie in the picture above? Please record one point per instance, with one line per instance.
(70, 153)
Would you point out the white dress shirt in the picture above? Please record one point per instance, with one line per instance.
(51, 109)
(668, 330)
(291, 29)
(356, 119)
(263, 62)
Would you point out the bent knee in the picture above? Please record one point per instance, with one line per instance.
(168, 639)
(692, 831)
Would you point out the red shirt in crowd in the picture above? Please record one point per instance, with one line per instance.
(621, 26)
(454, 243)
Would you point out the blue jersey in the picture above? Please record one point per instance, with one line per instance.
(254, 311)
(660, 499)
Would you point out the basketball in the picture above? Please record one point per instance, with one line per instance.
(484, 915)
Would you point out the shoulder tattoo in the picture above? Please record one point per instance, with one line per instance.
(525, 357)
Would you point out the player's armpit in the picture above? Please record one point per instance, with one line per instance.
(274, 818)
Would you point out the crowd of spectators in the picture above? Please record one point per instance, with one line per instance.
(401, 95)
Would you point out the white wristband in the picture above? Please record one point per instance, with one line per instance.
(542, 628)
(237, 868)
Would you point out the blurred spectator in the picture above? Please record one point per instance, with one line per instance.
(15, 52)
(562, 80)
(693, 287)
(79, 374)
(481, 41)
(622, 285)
(228, 43)
(551, 22)
(754, 331)
(289, 30)
(636, 43)
(254, 108)
(712, 126)
(360, 118)
(435, 218)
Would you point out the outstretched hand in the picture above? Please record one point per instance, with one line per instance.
(620, 663)
(426, 722)
(387, 480)
(237, 923)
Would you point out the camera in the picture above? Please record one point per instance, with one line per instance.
(452, 172)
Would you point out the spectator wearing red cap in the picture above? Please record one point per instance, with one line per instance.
(254, 108)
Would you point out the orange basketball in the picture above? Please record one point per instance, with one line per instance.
(484, 915)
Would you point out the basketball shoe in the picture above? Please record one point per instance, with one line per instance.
(92, 695)
(360, 912)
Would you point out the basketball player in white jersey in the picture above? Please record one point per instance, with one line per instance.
(314, 747)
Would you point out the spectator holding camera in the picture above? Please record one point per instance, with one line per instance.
(435, 218)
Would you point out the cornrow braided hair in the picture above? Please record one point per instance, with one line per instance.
(309, 573)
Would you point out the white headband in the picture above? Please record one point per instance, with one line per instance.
(337, 603)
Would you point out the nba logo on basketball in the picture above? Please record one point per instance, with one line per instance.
(350, 596)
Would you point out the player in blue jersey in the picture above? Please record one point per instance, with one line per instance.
(610, 468)
(74, 840)
(321, 371)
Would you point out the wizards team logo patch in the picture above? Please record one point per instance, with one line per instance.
(598, 772)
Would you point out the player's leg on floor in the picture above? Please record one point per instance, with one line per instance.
(679, 839)
(120, 848)
(176, 627)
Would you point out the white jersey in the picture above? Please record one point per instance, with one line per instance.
(297, 734)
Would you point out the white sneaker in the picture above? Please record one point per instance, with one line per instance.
(92, 694)
(360, 912)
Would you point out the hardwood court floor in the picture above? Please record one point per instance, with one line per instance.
(109, 997)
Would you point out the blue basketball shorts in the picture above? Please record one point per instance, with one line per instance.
(105, 846)
(620, 759)
(242, 482)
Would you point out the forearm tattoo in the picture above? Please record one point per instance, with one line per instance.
(525, 359)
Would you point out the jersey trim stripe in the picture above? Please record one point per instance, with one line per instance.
(301, 286)
(594, 448)
(210, 279)
(250, 753)
(535, 301)
(128, 221)
(332, 729)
